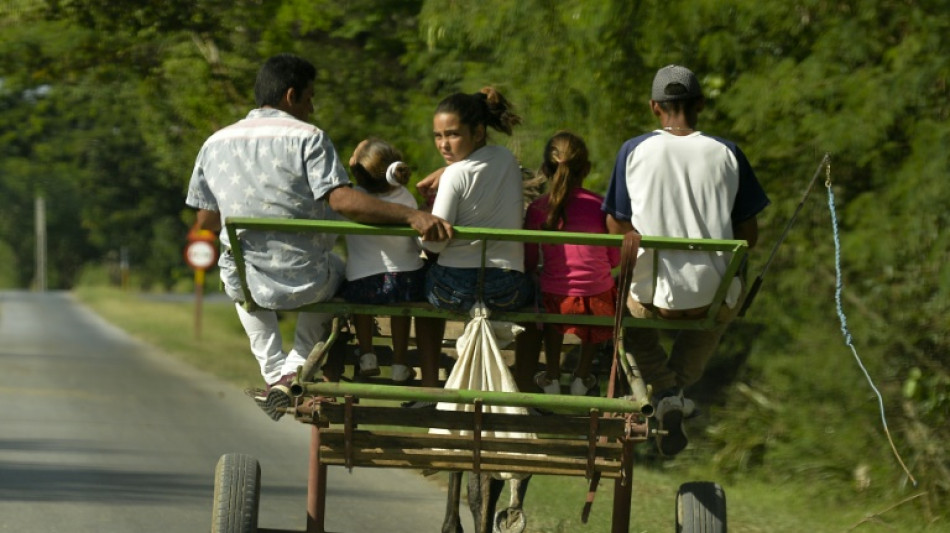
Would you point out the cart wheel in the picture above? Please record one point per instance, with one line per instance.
(237, 489)
(701, 508)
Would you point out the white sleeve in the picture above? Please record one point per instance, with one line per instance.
(446, 203)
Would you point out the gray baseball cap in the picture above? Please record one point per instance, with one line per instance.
(668, 78)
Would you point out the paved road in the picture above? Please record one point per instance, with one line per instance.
(100, 433)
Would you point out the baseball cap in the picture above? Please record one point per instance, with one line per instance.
(666, 80)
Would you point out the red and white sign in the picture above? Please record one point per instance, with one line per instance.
(200, 255)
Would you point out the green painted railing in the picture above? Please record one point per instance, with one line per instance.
(554, 402)
(735, 249)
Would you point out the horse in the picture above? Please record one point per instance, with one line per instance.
(484, 491)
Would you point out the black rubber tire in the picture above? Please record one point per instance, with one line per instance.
(701, 508)
(237, 490)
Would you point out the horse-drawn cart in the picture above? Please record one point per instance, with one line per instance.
(359, 424)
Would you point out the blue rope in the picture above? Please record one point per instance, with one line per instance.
(839, 284)
(839, 287)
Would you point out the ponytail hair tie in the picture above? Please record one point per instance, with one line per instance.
(391, 174)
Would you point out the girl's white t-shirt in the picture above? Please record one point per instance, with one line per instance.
(368, 255)
(483, 190)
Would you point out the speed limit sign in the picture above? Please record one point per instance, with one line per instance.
(200, 254)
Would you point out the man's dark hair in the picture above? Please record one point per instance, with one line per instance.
(279, 73)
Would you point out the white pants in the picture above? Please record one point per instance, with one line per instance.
(267, 345)
(263, 331)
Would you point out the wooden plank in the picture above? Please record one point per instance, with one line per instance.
(575, 450)
(544, 467)
(396, 451)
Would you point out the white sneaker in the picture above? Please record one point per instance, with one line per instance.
(581, 386)
(689, 408)
(401, 374)
(368, 365)
(671, 437)
(549, 386)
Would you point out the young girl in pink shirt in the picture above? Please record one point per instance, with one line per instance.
(574, 279)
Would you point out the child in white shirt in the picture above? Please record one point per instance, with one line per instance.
(383, 269)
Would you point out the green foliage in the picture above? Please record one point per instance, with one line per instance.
(573, 69)
(104, 105)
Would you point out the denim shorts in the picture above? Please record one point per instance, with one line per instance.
(387, 288)
(456, 289)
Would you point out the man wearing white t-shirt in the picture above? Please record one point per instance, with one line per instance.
(679, 182)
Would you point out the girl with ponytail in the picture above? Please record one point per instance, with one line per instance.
(574, 279)
(481, 187)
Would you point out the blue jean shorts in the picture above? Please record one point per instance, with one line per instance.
(456, 289)
(387, 288)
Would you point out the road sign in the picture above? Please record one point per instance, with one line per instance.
(200, 255)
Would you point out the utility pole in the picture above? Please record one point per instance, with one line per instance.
(40, 281)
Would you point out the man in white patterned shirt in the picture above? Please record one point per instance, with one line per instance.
(274, 164)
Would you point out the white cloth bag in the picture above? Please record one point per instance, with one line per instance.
(480, 366)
